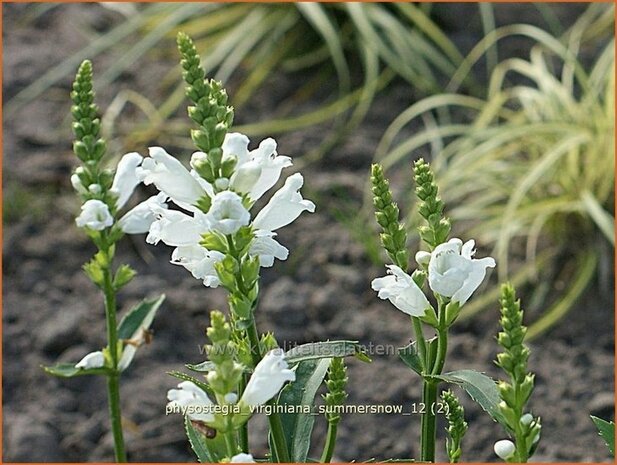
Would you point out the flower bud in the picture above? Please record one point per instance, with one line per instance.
(92, 360)
(504, 449)
(95, 189)
(77, 184)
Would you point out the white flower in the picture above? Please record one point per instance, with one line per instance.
(265, 165)
(402, 291)
(227, 214)
(268, 378)
(452, 272)
(172, 178)
(196, 402)
(242, 458)
(285, 206)
(176, 228)
(504, 449)
(77, 184)
(199, 261)
(266, 248)
(125, 179)
(94, 215)
(92, 360)
(139, 219)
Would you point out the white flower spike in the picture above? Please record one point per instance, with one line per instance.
(92, 360)
(402, 291)
(193, 400)
(94, 215)
(268, 378)
(452, 272)
(125, 179)
(504, 449)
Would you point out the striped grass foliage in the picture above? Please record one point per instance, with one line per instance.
(528, 170)
(361, 46)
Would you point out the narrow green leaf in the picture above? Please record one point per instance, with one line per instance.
(298, 427)
(138, 319)
(68, 370)
(202, 367)
(198, 442)
(607, 431)
(409, 356)
(319, 350)
(480, 388)
(184, 377)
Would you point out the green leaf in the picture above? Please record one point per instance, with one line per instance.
(68, 370)
(298, 427)
(319, 350)
(410, 357)
(184, 377)
(607, 431)
(138, 319)
(480, 388)
(202, 367)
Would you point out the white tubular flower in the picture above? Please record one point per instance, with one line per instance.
(94, 215)
(266, 248)
(402, 291)
(245, 177)
(92, 360)
(199, 261)
(125, 179)
(271, 166)
(504, 449)
(175, 228)
(285, 206)
(268, 378)
(195, 401)
(139, 219)
(242, 458)
(452, 272)
(77, 184)
(227, 214)
(171, 177)
(265, 164)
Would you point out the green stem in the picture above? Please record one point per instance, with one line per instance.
(230, 444)
(244, 429)
(328, 450)
(429, 390)
(276, 425)
(113, 380)
(427, 421)
(421, 342)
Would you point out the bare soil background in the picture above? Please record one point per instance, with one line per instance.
(52, 312)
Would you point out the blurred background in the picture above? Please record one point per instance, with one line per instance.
(512, 103)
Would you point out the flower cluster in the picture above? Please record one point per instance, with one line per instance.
(97, 215)
(452, 273)
(223, 207)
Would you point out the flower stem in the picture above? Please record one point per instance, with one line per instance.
(276, 426)
(328, 450)
(244, 429)
(113, 380)
(417, 326)
(429, 391)
(427, 422)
